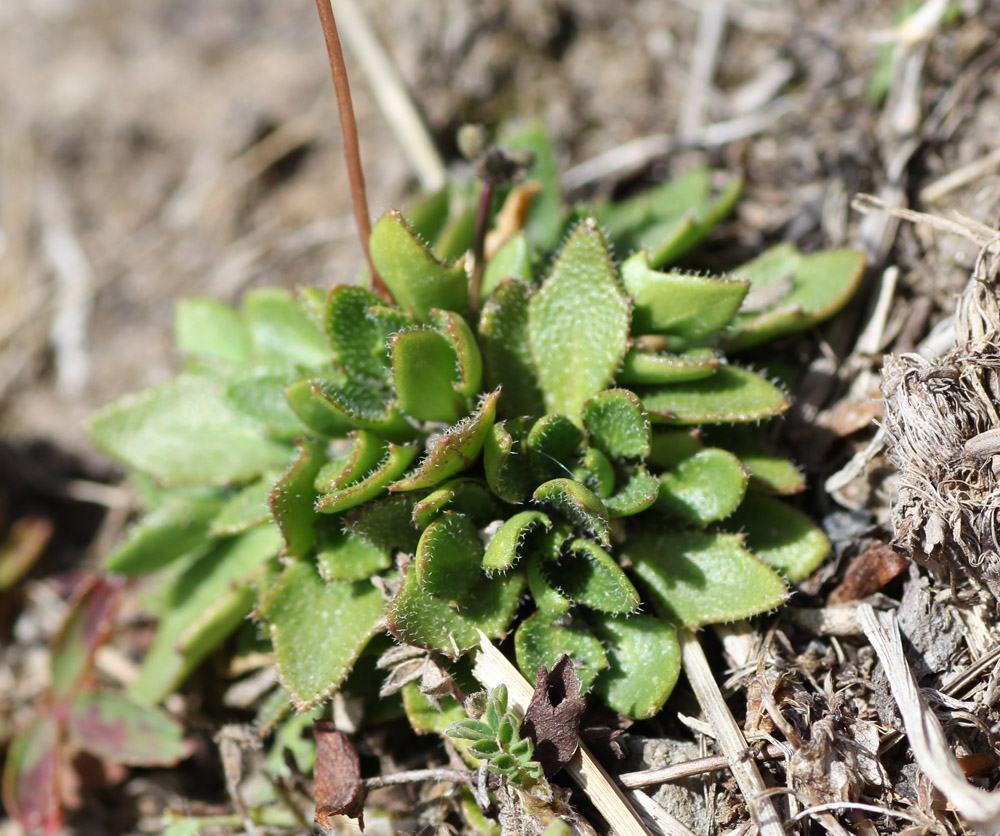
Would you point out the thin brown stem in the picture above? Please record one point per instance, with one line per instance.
(352, 150)
(479, 243)
(454, 776)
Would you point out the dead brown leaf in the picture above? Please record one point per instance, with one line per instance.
(552, 719)
(337, 786)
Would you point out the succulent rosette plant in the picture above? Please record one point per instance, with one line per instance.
(558, 450)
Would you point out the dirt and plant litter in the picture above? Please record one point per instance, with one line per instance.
(609, 446)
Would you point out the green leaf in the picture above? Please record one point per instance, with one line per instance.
(484, 748)
(470, 362)
(318, 629)
(358, 334)
(731, 394)
(687, 308)
(425, 374)
(333, 406)
(292, 499)
(424, 716)
(616, 424)
(538, 642)
(209, 600)
(344, 556)
(387, 523)
(466, 496)
(31, 776)
(578, 323)
(365, 452)
(793, 292)
(511, 261)
(542, 562)
(707, 487)
(553, 445)
(376, 482)
(783, 537)
(597, 472)
(503, 330)
(670, 219)
(768, 472)
(670, 447)
(127, 732)
(260, 396)
(449, 557)
(418, 281)
(419, 618)
(656, 367)
(455, 450)
(644, 663)
(244, 509)
(544, 224)
(281, 332)
(211, 330)
(578, 503)
(703, 578)
(591, 577)
(183, 433)
(508, 470)
(470, 730)
(504, 549)
(638, 494)
(86, 627)
(166, 533)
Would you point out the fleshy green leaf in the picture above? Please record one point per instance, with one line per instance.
(425, 374)
(115, 727)
(617, 425)
(208, 602)
(638, 494)
(344, 556)
(596, 471)
(417, 617)
(792, 291)
(460, 337)
(455, 450)
(397, 460)
(244, 509)
(334, 406)
(644, 659)
(418, 281)
(508, 470)
(86, 627)
(687, 308)
(546, 552)
(707, 487)
(579, 503)
(318, 629)
(358, 335)
(31, 777)
(292, 499)
(769, 472)
(511, 261)
(211, 330)
(466, 496)
(183, 433)
(731, 394)
(703, 578)
(503, 329)
(578, 323)
(504, 549)
(260, 396)
(387, 522)
(449, 557)
(281, 332)
(591, 577)
(166, 533)
(424, 716)
(783, 537)
(553, 444)
(670, 447)
(365, 453)
(656, 367)
(538, 642)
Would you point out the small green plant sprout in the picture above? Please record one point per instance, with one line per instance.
(492, 735)
(528, 424)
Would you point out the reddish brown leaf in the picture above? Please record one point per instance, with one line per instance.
(30, 777)
(23, 545)
(86, 628)
(337, 786)
(552, 719)
(868, 573)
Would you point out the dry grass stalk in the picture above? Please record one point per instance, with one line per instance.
(943, 434)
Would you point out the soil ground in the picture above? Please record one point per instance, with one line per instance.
(152, 150)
